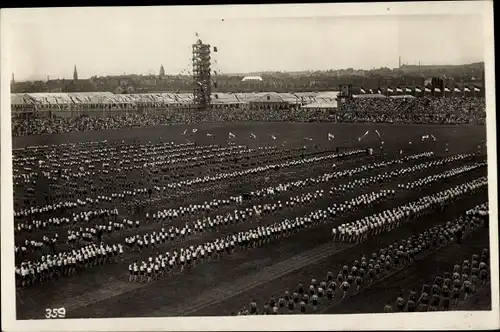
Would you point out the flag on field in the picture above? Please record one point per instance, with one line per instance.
(424, 137)
(378, 134)
(330, 136)
(184, 133)
(363, 90)
(360, 138)
(194, 130)
(252, 135)
(307, 138)
(434, 138)
(231, 135)
(209, 135)
(273, 137)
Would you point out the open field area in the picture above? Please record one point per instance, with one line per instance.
(141, 172)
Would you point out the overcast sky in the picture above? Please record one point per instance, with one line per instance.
(109, 41)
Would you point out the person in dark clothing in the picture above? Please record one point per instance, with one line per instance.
(99, 235)
(459, 234)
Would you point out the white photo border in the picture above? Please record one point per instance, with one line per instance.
(458, 320)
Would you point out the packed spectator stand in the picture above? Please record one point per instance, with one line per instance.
(51, 113)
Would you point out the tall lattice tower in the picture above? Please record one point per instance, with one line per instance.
(201, 74)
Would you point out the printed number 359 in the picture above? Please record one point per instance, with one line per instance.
(55, 313)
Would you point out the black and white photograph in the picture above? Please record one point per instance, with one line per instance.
(307, 166)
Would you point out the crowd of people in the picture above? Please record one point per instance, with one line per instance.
(349, 280)
(448, 289)
(89, 219)
(413, 110)
(73, 207)
(387, 220)
(149, 269)
(89, 209)
(354, 232)
(364, 110)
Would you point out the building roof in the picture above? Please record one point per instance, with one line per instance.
(321, 105)
(289, 98)
(403, 96)
(328, 94)
(374, 95)
(224, 98)
(21, 99)
(251, 78)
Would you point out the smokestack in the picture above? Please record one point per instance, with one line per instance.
(399, 61)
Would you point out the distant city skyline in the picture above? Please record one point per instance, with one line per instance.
(248, 73)
(139, 40)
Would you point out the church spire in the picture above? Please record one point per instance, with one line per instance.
(75, 74)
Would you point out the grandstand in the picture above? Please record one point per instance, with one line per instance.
(62, 103)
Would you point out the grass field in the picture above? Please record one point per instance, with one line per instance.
(224, 286)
